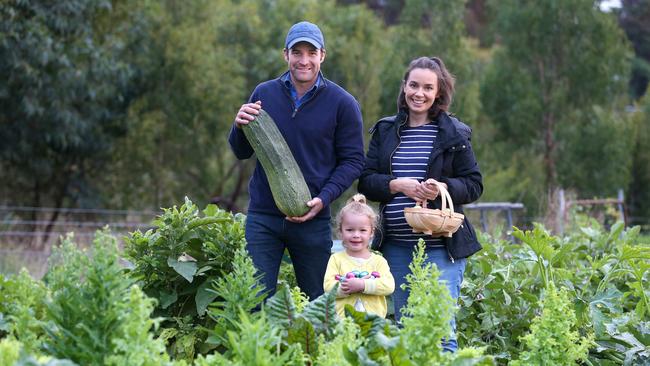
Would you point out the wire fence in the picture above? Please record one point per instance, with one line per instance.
(27, 234)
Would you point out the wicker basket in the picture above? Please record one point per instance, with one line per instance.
(435, 222)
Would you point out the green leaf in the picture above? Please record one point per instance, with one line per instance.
(167, 298)
(507, 298)
(362, 319)
(4, 325)
(364, 358)
(185, 269)
(204, 296)
(598, 317)
(302, 332)
(203, 270)
(211, 210)
(397, 353)
(322, 313)
(280, 308)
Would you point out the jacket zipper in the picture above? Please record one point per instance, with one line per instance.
(390, 170)
(390, 157)
(293, 103)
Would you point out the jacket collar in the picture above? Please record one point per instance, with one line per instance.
(447, 132)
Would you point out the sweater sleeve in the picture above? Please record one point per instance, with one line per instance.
(333, 268)
(385, 284)
(238, 142)
(349, 152)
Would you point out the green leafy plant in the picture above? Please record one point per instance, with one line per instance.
(425, 323)
(346, 336)
(176, 263)
(604, 272)
(9, 351)
(13, 353)
(428, 311)
(254, 341)
(626, 340)
(95, 316)
(134, 343)
(554, 339)
(317, 319)
(237, 291)
(378, 341)
(22, 309)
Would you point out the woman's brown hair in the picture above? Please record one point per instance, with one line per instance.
(446, 83)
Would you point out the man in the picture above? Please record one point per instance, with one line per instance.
(322, 125)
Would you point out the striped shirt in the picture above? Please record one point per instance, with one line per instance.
(409, 161)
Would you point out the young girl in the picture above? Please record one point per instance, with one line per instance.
(364, 277)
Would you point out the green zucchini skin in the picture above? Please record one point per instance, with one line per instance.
(288, 186)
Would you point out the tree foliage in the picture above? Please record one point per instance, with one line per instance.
(634, 18)
(127, 104)
(558, 61)
(64, 91)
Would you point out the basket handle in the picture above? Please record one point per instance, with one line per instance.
(444, 198)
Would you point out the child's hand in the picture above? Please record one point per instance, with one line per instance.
(353, 285)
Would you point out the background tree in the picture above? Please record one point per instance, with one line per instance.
(205, 58)
(639, 195)
(64, 89)
(126, 104)
(557, 60)
(634, 18)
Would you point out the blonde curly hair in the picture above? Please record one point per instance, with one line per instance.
(357, 205)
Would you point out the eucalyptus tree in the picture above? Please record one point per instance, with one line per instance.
(433, 28)
(64, 89)
(634, 18)
(554, 92)
(639, 195)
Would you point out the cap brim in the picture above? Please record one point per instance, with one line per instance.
(312, 41)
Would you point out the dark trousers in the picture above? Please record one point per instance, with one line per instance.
(309, 245)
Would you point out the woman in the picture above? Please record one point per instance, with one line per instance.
(420, 145)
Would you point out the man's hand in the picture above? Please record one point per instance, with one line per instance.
(247, 113)
(315, 204)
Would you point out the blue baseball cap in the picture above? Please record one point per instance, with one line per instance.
(305, 32)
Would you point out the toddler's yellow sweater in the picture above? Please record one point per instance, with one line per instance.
(374, 295)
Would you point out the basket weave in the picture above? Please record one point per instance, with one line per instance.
(435, 222)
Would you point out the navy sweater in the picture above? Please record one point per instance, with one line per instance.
(325, 135)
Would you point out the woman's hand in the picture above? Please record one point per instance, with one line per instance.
(410, 187)
(429, 189)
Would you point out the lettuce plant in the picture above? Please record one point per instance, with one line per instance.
(22, 309)
(554, 339)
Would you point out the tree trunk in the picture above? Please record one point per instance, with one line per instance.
(58, 203)
(549, 150)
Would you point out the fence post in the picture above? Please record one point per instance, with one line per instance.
(484, 225)
(561, 212)
(621, 205)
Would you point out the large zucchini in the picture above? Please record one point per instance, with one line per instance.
(290, 192)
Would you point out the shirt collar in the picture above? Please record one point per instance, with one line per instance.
(286, 80)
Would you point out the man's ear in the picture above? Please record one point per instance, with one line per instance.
(285, 53)
(322, 54)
